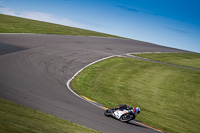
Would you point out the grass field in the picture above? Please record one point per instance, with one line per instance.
(11, 24)
(183, 59)
(169, 96)
(15, 118)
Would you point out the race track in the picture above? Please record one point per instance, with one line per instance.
(34, 70)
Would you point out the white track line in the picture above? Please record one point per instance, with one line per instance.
(68, 82)
(68, 86)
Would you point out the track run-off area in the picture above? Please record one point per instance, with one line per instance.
(35, 68)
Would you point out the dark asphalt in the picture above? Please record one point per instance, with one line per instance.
(36, 68)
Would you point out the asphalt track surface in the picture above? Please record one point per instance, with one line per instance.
(34, 69)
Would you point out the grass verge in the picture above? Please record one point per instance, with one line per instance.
(183, 59)
(19, 119)
(11, 24)
(169, 96)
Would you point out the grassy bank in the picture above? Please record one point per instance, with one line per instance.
(183, 59)
(11, 24)
(169, 96)
(19, 119)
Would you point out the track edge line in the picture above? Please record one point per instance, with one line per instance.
(93, 102)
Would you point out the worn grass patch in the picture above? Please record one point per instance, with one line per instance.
(169, 96)
(11, 24)
(15, 118)
(183, 59)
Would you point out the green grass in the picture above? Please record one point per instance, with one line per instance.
(183, 59)
(11, 24)
(15, 118)
(169, 96)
